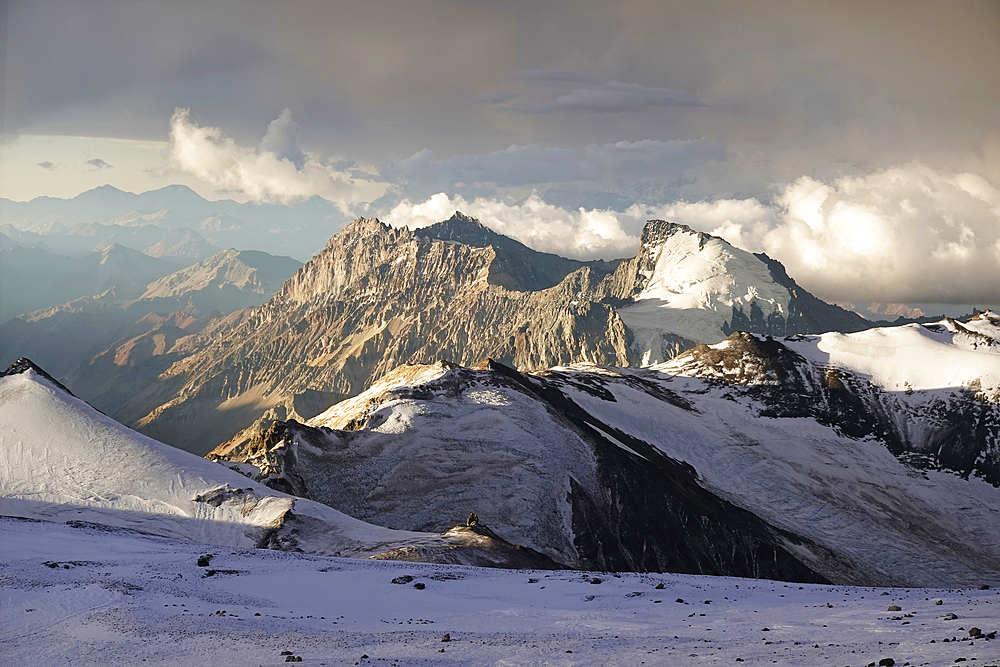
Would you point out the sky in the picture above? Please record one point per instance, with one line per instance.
(857, 142)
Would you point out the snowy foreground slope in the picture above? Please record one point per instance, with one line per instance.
(869, 458)
(83, 595)
(61, 460)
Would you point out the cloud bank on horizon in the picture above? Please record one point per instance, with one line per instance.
(856, 142)
(905, 233)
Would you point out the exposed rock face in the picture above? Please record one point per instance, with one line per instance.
(225, 282)
(375, 298)
(948, 421)
(473, 545)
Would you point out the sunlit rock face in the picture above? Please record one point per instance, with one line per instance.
(376, 297)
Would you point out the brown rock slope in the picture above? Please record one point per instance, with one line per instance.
(374, 298)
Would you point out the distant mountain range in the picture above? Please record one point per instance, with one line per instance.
(689, 409)
(377, 297)
(129, 314)
(170, 222)
(34, 278)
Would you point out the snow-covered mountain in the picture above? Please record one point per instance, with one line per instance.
(871, 457)
(377, 297)
(686, 287)
(62, 460)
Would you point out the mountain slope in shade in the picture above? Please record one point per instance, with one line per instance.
(517, 267)
(67, 338)
(33, 278)
(818, 452)
(62, 460)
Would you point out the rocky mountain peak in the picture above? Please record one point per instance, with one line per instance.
(23, 365)
(461, 228)
(655, 232)
(364, 226)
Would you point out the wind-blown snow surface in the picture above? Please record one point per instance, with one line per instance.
(60, 459)
(81, 595)
(948, 354)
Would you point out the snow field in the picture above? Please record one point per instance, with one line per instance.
(74, 595)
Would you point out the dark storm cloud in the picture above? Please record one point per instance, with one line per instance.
(597, 166)
(98, 163)
(574, 92)
(786, 87)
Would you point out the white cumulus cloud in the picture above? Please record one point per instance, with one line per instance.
(582, 234)
(277, 171)
(905, 234)
(909, 233)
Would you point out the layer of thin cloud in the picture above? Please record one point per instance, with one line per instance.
(598, 165)
(909, 233)
(277, 171)
(582, 234)
(571, 92)
(906, 234)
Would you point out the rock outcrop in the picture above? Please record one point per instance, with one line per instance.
(375, 298)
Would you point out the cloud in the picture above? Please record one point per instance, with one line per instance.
(600, 166)
(282, 139)
(47, 165)
(612, 97)
(904, 234)
(585, 94)
(98, 163)
(581, 234)
(267, 174)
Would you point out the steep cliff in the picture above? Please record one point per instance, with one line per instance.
(375, 298)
